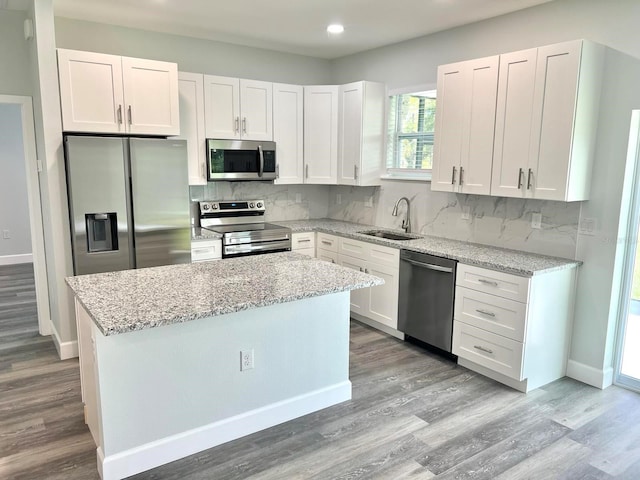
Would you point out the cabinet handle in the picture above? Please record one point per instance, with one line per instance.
(355, 172)
(333, 261)
(130, 115)
(306, 171)
(360, 268)
(529, 175)
(366, 270)
(520, 172)
(453, 176)
(304, 240)
(485, 312)
(483, 349)
(244, 124)
(488, 282)
(461, 173)
(326, 242)
(119, 114)
(237, 127)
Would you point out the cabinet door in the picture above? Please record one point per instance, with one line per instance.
(350, 133)
(479, 126)
(450, 115)
(327, 256)
(222, 107)
(191, 88)
(556, 89)
(360, 297)
(256, 110)
(513, 123)
(288, 132)
(91, 94)
(151, 96)
(383, 300)
(321, 134)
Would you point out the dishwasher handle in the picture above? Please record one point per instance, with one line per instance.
(429, 266)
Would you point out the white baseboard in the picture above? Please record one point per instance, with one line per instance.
(65, 350)
(15, 259)
(160, 452)
(377, 325)
(589, 375)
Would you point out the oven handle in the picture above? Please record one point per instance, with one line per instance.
(429, 266)
(261, 156)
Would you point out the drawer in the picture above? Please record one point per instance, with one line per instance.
(327, 242)
(495, 352)
(310, 252)
(492, 313)
(303, 240)
(384, 255)
(203, 250)
(327, 255)
(353, 248)
(496, 283)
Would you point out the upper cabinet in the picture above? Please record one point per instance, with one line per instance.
(288, 123)
(238, 109)
(321, 134)
(102, 93)
(191, 87)
(361, 133)
(465, 117)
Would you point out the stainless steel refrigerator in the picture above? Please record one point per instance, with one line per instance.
(128, 202)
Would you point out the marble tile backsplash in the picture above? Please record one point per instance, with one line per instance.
(502, 222)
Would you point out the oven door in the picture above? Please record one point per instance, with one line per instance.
(240, 160)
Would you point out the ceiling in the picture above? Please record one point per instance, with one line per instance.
(294, 26)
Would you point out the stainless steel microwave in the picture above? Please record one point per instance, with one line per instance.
(240, 160)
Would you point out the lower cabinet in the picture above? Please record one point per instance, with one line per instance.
(513, 329)
(205, 250)
(304, 243)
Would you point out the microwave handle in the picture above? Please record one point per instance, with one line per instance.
(261, 157)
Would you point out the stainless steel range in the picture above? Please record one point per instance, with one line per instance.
(243, 229)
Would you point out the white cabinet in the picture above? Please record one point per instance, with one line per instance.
(238, 108)
(191, 88)
(102, 93)
(321, 134)
(327, 247)
(547, 112)
(465, 119)
(377, 306)
(513, 329)
(304, 243)
(205, 250)
(361, 133)
(288, 132)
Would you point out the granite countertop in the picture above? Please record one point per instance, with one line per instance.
(486, 256)
(130, 300)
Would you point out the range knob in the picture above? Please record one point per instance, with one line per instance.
(259, 205)
(251, 205)
(214, 206)
(205, 207)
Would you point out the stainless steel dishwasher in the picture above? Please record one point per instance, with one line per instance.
(426, 296)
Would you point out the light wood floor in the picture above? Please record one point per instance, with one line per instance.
(412, 416)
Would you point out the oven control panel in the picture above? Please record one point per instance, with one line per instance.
(233, 207)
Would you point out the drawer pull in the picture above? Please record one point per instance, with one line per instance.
(488, 282)
(483, 349)
(304, 240)
(485, 312)
(326, 242)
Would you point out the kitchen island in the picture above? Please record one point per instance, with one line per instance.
(178, 359)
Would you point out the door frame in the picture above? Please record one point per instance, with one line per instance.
(35, 208)
(631, 236)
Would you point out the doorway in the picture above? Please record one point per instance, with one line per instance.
(23, 107)
(627, 373)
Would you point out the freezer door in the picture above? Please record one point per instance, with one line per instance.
(96, 185)
(160, 194)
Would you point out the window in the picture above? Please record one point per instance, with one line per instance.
(410, 133)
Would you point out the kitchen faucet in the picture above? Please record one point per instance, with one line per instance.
(406, 223)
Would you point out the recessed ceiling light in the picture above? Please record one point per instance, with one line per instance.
(335, 28)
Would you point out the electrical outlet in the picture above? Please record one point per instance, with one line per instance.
(368, 202)
(536, 220)
(338, 199)
(6, 234)
(298, 198)
(588, 226)
(466, 212)
(246, 360)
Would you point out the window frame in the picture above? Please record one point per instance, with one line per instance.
(392, 173)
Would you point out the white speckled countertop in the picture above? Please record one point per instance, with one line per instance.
(486, 256)
(130, 300)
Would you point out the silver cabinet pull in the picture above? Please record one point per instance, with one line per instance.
(237, 125)
(461, 173)
(360, 268)
(306, 171)
(244, 124)
(304, 240)
(485, 312)
(488, 282)
(453, 176)
(325, 242)
(130, 115)
(529, 175)
(483, 349)
(520, 173)
(355, 172)
(366, 270)
(333, 261)
(119, 114)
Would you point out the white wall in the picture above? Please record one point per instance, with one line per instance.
(15, 78)
(14, 207)
(191, 54)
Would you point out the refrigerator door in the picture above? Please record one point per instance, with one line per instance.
(96, 185)
(160, 194)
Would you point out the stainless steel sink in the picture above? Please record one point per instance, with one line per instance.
(389, 235)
